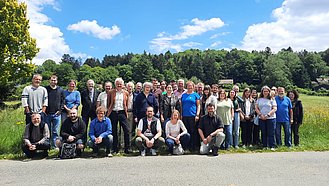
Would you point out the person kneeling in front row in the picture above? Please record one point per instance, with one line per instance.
(100, 132)
(36, 137)
(149, 133)
(176, 138)
(72, 131)
(211, 131)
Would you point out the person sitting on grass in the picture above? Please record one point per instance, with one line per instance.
(36, 137)
(72, 131)
(100, 133)
(211, 131)
(149, 133)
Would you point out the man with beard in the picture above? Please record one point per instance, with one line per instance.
(284, 117)
(36, 137)
(149, 133)
(211, 131)
(72, 131)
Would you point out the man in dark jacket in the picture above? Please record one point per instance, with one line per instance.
(72, 131)
(89, 102)
(55, 106)
(36, 137)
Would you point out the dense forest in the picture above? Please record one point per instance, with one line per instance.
(284, 68)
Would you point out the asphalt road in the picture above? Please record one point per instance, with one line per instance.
(277, 168)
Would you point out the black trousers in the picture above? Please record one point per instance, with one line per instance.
(295, 133)
(121, 117)
(31, 153)
(191, 126)
(246, 132)
(255, 135)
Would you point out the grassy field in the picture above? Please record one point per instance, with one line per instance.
(314, 133)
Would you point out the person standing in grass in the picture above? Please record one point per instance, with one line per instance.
(265, 108)
(34, 99)
(225, 110)
(247, 117)
(190, 108)
(255, 129)
(36, 137)
(54, 109)
(298, 114)
(72, 99)
(236, 118)
(284, 117)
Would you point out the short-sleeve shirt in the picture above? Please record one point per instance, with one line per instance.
(102, 99)
(189, 104)
(265, 106)
(224, 111)
(284, 106)
(210, 124)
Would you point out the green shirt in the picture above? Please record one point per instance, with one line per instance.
(224, 111)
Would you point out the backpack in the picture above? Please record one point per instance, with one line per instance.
(68, 151)
(178, 150)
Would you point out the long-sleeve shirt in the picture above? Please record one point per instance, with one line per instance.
(55, 99)
(76, 129)
(36, 135)
(142, 102)
(72, 98)
(100, 128)
(174, 130)
(34, 98)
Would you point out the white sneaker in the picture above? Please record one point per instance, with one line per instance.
(109, 155)
(272, 149)
(143, 153)
(153, 152)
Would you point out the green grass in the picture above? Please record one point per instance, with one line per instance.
(314, 133)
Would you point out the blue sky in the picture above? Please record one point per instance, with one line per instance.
(96, 28)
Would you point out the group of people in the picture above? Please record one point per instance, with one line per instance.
(193, 118)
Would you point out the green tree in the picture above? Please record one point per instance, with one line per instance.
(17, 48)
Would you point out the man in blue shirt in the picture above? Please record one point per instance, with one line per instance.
(283, 117)
(100, 132)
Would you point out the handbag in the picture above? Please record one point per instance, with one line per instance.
(178, 149)
(68, 151)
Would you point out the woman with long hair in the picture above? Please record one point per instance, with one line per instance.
(265, 109)
(298, 114)
(236, 118)
(207, 98)
(247, 117)
(176, 132)
(225, 110)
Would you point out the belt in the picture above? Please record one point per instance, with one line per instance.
(118, 111)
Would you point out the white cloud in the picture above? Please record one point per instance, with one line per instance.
(300, 24)
(165, 41)
(49, 39)
(92, 28)
(215, 44)
(219, 34)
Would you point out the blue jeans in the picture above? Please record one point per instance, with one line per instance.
(267, 128)
(54, 122)
(107, 143)
(236, 126)
(228, 135)
(287, 133)
(184, 140)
